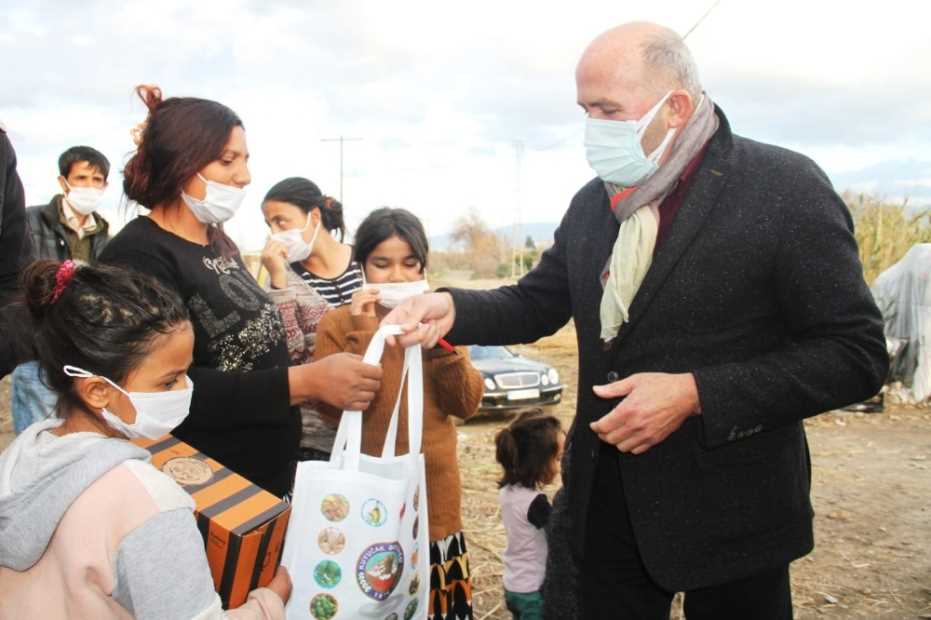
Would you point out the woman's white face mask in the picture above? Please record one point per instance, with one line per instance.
(157, 413)
(220, 202)
(293, 240)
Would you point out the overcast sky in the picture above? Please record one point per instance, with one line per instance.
(441, 91)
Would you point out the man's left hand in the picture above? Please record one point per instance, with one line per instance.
(655, 404)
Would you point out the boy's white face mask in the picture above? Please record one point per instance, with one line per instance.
(157, 413)
(84, 200)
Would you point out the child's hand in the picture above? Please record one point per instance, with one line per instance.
(363, 302)
(275, 261)
(281, 584)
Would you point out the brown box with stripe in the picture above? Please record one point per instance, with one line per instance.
(243, 526)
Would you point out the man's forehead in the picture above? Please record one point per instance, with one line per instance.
(84, 167)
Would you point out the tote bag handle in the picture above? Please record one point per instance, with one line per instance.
(413, 372)
(348, 442)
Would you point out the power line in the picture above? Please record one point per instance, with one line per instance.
(701, 19)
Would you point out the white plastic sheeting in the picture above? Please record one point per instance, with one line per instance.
(903, 294)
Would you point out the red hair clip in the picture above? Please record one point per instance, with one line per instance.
(63, 277)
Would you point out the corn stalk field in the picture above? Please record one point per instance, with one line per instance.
(885, 231)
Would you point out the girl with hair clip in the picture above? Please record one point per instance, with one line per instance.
(529, 451)
(190, 171)
(392, 248)
(88, 527)
(310, 270)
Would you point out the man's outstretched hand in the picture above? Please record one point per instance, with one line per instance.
(423, 319)
(655, 404)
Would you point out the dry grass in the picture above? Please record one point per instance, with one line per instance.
(870, 487)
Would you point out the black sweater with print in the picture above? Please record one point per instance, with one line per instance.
(241, 414)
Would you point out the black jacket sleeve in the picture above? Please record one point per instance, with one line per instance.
(15, 245)
(836, 353)
(537, 306)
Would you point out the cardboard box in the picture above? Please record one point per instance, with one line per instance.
(243, 526)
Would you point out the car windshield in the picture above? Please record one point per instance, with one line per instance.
(490, 353)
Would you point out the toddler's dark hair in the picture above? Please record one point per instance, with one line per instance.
(526, 449)
(103, 320)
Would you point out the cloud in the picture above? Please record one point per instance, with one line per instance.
(892, 180)
(441, 92)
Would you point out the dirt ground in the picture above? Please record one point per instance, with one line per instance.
(871, 492)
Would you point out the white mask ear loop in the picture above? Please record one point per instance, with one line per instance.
(313, 237)
(80, 373)
(644, 122)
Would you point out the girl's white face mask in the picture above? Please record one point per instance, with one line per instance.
(157, 413)
(84, 200)
(293, 240)
(219, 204)
(393, 294)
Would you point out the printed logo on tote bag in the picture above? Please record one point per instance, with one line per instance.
(379, 568)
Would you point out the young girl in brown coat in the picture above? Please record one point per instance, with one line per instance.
(392, 248)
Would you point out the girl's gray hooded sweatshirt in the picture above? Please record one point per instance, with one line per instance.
(89, 529)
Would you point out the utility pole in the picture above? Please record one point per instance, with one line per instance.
(341, 140)
(517, 253)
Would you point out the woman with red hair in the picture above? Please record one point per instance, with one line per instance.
(190, 171)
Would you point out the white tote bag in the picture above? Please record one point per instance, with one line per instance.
(358, 542)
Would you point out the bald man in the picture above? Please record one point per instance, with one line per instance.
(719, 301)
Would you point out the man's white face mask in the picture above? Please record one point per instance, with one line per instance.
(614, 150)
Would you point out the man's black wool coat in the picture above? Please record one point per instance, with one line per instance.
(758, 290)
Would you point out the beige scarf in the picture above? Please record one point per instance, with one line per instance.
(637, 212)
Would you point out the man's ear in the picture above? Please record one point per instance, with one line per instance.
(681, 108)
(94, 391)
(63, 183)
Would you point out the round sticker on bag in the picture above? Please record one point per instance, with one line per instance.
(331, 541)
(323, 607)
(379, 568)
(335, 507)
(374, 513)
(328, 574)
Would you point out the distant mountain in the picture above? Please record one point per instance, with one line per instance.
(539, 231)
